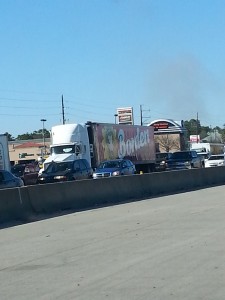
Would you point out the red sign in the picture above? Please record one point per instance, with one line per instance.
(161, 125)
(125, 115)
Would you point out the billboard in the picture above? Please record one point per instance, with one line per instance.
(125, 115)
(194, 138)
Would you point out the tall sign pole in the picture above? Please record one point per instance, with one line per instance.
(63, 116)
(197, 128)
(141, 115)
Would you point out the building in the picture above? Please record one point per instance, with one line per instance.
(21, 151)
(169, 135)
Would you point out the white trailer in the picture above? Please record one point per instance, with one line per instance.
(211, 148)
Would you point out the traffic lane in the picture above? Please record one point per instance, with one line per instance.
(169, 247)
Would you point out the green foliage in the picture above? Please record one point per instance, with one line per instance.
(34, 135)
(10, 137)
(194, 127)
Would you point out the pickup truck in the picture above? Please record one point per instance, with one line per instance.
(184, 160)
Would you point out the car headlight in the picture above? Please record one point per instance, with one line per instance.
(115, 173)
(187, 163)
(60, 177)
(94, 175)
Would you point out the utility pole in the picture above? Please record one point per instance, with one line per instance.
(63, 115)
(142, 117)
(43, 135)
(197, 128)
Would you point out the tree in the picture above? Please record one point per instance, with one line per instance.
(10, 137)
(37, 134)
(193, 127)
(223, 133)
(25, 136)
(167, 143)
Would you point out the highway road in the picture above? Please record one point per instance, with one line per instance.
(165, 248)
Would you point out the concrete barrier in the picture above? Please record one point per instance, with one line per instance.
(14, 205)
(26, 203)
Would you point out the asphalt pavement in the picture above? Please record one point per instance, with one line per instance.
(170, 247)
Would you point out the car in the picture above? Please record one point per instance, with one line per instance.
(181, 160)
(27, 172)
(8, 180)
(66, 171)
(115, 167)
(204, 155)
(215, 160)
(161, 160)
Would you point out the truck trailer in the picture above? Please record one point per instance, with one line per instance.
(210, 148)
(98, 142)
(4, 153)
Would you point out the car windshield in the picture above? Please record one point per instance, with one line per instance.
(163, 155)
(109, 164)
(216, 157)
(180, 155)
(59, 167)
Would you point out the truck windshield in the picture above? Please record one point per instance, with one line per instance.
(64, 149)
(181, 155)
(59, 167)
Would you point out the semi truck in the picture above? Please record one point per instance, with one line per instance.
(4, 153)
(210, 148)
(97, 142)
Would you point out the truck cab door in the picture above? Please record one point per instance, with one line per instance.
(77, 174)
(78, 150)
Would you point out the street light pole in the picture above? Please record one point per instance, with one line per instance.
(43, 134)
(116, 115)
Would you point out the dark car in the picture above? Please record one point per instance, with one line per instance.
(161, 160)
(114, 167)
(8, 180)
(66, 171)
(184, 160)
(27, 172)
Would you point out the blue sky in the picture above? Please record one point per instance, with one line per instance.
(166, 55)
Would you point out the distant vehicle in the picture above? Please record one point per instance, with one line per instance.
(161, 160)
(184, 160)
(66, 171)
(204, 156)
(114, 167)
(27, 172)
(8, 180)
(97, 142)
(215, 161)
(211, 148)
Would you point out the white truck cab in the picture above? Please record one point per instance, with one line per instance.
(69, 142)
